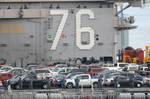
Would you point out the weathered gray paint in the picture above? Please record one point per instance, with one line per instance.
(35, 31)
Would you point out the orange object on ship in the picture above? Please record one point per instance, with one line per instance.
(131, 55)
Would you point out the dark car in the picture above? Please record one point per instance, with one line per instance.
(129, 80)
(27, 81)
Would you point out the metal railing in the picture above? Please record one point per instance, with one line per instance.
(75, 94)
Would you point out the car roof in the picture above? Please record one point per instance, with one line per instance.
(7, 67)
(81, 74)
(17, 68)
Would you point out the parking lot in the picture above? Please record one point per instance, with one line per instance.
(59, 81)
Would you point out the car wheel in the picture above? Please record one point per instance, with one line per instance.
(69, 85)
(95, 85)
(138, 85)
(45, 86)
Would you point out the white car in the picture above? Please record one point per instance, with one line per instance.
(44, 73)
(131, 68)
(117, 66)
(108, 79)
(64, 70)
(13, 70)
(146, 80)
(108, 76)
(5, 69)
(84, 80)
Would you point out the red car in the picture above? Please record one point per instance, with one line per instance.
(1, 65)
(5, 76)
(94, 71)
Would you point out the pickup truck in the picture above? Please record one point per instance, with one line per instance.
(84, 81)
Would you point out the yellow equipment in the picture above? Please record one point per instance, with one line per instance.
(147, 54)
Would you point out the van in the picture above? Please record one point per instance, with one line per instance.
(131, 68)
(120, 64)
(116, 66)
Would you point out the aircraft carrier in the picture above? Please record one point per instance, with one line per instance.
(46, 31)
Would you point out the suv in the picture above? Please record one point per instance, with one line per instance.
(84, 80)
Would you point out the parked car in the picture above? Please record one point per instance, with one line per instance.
(144, 71)
(130, 80)
(44, 73)
(1, 65)
(56, 80)
(13, 70)
(64, 70)
(84, 80)
(1, 87)
(27, 81)
(5, 69)
(61, 65)
(17, 71)
(108, 76)
(143, 68)
(5, 76)
(146, 81)
(116, 66)
(94, 71)
(132, 68)
(70, 75)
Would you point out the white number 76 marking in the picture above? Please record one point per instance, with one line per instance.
(64, 14)
(79, 29)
